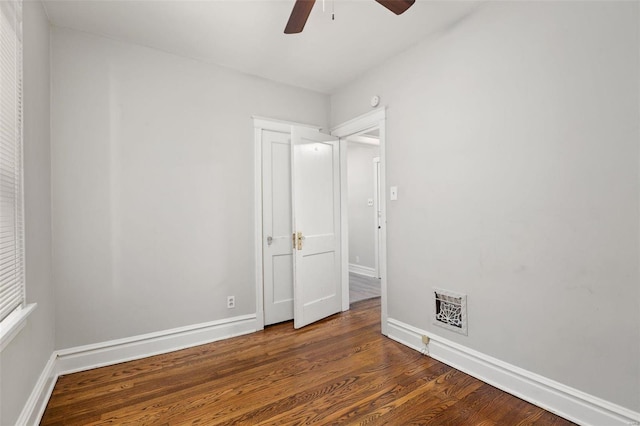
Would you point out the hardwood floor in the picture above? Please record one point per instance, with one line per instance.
(338, 371)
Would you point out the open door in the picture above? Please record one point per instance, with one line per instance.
(277, 253)
(315, 179)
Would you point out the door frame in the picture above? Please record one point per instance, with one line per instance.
(369, 121)
(375, 119)
(260, 124)
(377, 227)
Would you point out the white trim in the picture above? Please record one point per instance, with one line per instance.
(12, 324)
(360, 123)
(382, 264)
(36, 404)
(87, 357)
(112, 352)
(257, 218)
(344, 224)
(567, 402)
(377, 192)
(364, 123)
(276, 125)
(365, 271)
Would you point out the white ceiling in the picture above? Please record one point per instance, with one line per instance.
(248, 35)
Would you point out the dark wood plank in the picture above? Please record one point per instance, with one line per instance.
(338, 371)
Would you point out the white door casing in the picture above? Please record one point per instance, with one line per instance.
(277, 227)
(316, 219)
(375, 119)
(377, 213)
(262, 124)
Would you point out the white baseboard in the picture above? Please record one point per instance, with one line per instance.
(112, 352)
(567, 402)
(362, 270)
(37, 402)
(87, 357)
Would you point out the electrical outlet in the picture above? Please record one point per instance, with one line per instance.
(231, 302)
(357, 259)
(425, 340)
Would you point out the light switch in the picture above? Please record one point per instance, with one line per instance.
(393, 193)
(370, 202)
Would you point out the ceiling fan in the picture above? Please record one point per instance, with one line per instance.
(302, 9)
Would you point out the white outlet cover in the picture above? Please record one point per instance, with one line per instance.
(370, 202)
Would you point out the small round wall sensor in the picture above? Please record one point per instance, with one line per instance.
(375, 101)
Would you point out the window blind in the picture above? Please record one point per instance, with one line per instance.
(12, 291)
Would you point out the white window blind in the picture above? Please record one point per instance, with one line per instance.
(12, 291)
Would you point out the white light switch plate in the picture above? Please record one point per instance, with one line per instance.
(393, 193)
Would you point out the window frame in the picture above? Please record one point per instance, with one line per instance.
(13, 308)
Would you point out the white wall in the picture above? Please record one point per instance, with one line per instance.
(361, 187)
(25, 357)
(513, 140)
(152, 170)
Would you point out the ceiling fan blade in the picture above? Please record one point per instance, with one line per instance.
(397, 6)
(299, 16)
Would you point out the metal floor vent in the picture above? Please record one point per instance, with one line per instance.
(450, 310)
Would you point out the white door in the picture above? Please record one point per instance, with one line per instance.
(276, 227)
(316, 218)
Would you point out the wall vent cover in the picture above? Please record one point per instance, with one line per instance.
(450, 310)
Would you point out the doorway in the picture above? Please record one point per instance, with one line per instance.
(363, 160)
(283, 130)
(374, 121)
